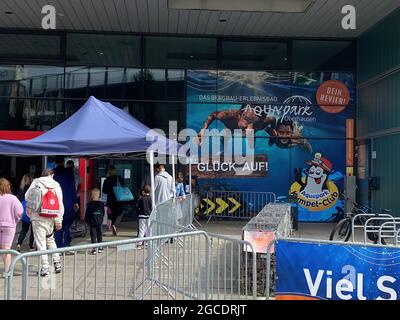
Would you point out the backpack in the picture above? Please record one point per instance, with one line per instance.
(50, 205)
(34, 199)
(46, 205)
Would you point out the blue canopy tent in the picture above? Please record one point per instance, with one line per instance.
(97, 129)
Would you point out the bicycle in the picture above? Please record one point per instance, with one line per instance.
(337, 216)
(343, 229)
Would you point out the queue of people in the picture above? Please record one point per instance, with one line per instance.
(47, 206)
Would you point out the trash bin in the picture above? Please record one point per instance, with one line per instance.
(260, 231)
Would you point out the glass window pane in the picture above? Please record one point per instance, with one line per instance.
(116, 76)
(76, 82)
(103, 50)
(83, 82)
(29, 47)
(116, 83)
(26, 81)
(97, 82)
(134, 86)
(76, 77)
(183, 52)
(35, 114)
(254, 55)
(323, 55)
(176, 85)
(123, 83)
(156, 114)
(164, 84)
(9, 73)
(155, 84)
(42, 80)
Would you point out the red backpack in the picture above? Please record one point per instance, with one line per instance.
(50, 205)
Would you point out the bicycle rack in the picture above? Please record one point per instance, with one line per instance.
(391, 228)
(397, 241)
(375, 228)
(353, 226)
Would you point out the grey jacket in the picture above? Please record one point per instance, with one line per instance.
(164, 187)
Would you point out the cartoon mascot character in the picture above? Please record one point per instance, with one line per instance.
(316, 175)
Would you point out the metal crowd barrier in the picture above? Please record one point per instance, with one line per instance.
(390, 230)
(235, 204)
(188, 265)
(122, 271)
(171, 216)
(3, 277)
(227, 255)
(233, 269)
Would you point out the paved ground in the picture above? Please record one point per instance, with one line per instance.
(128, 229)
(117, 273)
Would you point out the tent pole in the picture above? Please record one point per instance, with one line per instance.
(190, 191)
(190, 175)
(85, 188)
(173, 173)
(153, 199)
(45, 161)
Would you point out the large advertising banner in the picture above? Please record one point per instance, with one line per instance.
(311, 271)
(299, 122)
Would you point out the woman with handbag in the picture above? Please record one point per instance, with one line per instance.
(117, 192)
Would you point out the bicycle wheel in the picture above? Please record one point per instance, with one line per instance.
(342, 231)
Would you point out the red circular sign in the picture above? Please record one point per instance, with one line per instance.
(333, 96)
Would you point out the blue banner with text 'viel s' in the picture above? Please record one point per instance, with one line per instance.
(310, 271)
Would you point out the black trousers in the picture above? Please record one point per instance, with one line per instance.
(96, 233)
(116, 213)
(25, 229)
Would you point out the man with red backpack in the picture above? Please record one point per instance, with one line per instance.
(44, 202)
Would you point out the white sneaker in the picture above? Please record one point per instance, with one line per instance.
(44, 271)
(57, 267)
